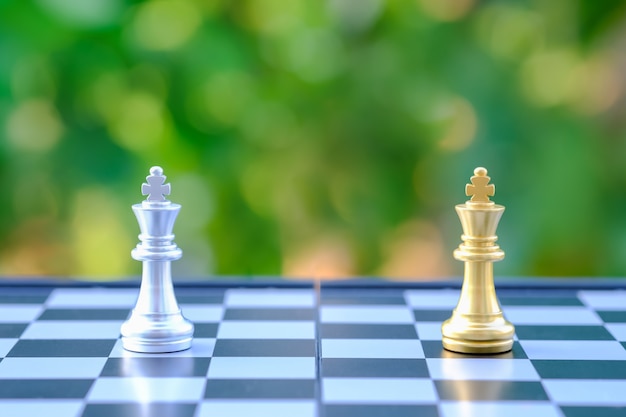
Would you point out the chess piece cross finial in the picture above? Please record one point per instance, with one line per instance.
(155, 189)
(480, 189)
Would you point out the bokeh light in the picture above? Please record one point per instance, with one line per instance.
(309, 138)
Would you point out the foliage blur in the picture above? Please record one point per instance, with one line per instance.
(312, 138)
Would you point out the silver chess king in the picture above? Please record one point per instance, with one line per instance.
(156, 324)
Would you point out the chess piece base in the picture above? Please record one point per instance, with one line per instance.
(477, 347)
(157, 333)
(477, 334)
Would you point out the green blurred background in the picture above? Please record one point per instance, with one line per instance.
(312, 138)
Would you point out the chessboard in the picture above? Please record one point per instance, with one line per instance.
(342, 350)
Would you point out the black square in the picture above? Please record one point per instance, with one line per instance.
(613, 316)
(563, 332)
(156, 367)
(270, 314)
(367, 331)
(371, 410)
(12, 330)
(45, 388)
(374, 368)
(569, 411)
(434, 349)
(85, 314)
(143, 409)
(205, 330)
(40, 348)
(199, 296)
(382, 297)
(24, 295)
(450, 390)
(432, 315)
(534, 299)
(264, 348)
(260, 388)
(579, 369)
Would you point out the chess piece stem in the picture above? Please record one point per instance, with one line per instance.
(477, 324)
(156, 324)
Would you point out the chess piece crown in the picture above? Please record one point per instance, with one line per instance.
(156, 216)
(155, 187)
(480, 190)
(479, 218)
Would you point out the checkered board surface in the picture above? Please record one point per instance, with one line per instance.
(289, 352)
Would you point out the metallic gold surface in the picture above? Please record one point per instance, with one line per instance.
(477, 324)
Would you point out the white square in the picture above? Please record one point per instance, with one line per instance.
(550, 315)
(261, 367)
(372, 348)
(19, 313)
(366, 314)
(72, 330)
(428, 330)
(272, 298)
(40, 407)
(6, 345)
(618, 330)
(202, 313)
(144, 390)
(482, 369)
(574, 350)
(200, 348)
(586, 392)
(51, 368)
(264, 408)
(93, 298)
(499, 409)
(604, 300)
(378, 390)
(432, 299)
(266, 330)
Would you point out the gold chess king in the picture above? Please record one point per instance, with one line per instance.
(477, 324)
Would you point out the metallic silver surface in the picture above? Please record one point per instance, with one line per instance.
(156, 324)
